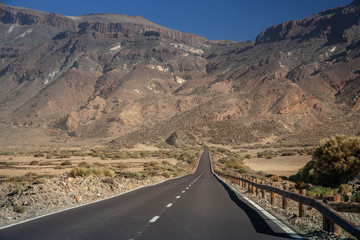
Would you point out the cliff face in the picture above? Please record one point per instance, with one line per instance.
(11, 15)
(124, 78)
(335, 25)
(131, 29)
(125, 25)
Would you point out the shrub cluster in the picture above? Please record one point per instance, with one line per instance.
(335, 160)
(82, 172)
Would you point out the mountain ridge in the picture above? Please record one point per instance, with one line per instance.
(90, 77)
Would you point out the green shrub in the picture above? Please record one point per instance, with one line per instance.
(344, 198)
(17, 191)
(19, 209)
(66, 163)
(38, 154)
(65, 154)
(267, 154)
(345, 188)
(248, 156)
(320, 192)
(288, 153)
(59, 167)
(120, 166)
(335, 160)
(356, 197)
(78, 172)
(82, 172)
(47, 163)
(275, 178)
(100, 164)
(165, 162)
(34, 162)
(83, 165)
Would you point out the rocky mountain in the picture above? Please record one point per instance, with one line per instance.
(127, 80)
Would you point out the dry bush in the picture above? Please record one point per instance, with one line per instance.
(275, 178)
(39, 154)
(82, 172)
(66, 163)
(335, 160)
(19, 209)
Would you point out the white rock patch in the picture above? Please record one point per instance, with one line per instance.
(117, 47)
(26, 33)
(11, 28)
(180, 80)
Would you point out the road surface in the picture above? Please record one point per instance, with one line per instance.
(196, 206)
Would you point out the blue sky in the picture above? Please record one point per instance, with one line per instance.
(237, 20)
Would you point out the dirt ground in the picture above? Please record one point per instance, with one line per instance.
(19, 165)
(281, 166)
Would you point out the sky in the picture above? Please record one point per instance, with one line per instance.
(238, 20)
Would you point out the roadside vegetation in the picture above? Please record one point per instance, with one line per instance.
(334, 168)
(106, 165)
(148, 164)
(335, 160)
(229, 161)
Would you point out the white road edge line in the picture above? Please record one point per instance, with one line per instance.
(85, 204)
(154, 219)
(288, 230)
(169, 205)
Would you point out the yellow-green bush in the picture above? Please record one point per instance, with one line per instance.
(335, 160)
(81, 172)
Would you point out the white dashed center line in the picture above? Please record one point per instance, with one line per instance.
(154, 219)
(182, 191)
(169, 205)
(178, 197)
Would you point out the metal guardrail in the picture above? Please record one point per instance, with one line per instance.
(332, 218)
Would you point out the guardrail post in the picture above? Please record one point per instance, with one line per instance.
(257, 189)
(285, 200)
(249, 184)
(302, 206)
(263, 191)
(272, 195)
(329, 225)
(252, 186)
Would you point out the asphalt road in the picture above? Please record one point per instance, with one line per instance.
(196, 206)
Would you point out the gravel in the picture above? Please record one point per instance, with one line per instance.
(60, 193)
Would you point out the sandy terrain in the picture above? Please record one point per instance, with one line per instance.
(282, 166)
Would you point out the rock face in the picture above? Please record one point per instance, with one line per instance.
(131, 81)
(12, 15)
(333, 24)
